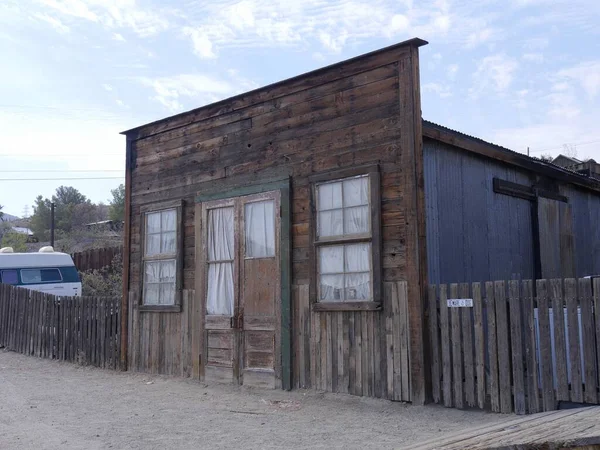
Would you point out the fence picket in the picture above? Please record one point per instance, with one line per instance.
(479, 344)
(531, 359)
(80, 329)
(434, 339)
(467, 337)
(589, 341)
(560, 346)
(516, 335)
(457, 354)
(573, 335)
(446, 355)
(545, 347)
(494, 387)
(502, 334)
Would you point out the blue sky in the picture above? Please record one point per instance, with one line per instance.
(521, 73)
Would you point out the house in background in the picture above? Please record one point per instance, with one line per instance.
(26, 231)
(285, 237)
(588, 167)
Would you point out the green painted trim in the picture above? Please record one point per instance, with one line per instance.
(221, 192)
(286, 284)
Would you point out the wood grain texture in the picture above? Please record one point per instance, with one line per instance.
(572, 303)
(478, 321)
(517, 354)
(560, 346)
(547, 387)
(589, 341)
(457, 352)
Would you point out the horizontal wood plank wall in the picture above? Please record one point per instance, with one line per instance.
(516, 359)
(343, 118)
(85, 330)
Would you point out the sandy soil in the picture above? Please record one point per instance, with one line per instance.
(50, 405)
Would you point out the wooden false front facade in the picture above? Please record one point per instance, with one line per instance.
(360, 116)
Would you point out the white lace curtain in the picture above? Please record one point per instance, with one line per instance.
(343, 207)
(161, 232)
(345, 272)
(219, 298)
(259, 229)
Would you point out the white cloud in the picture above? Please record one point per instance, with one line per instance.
(587, 74)
(533, 57)
(144, 21)
(479, 37)
(107, 87)
(118, 37)
(333, 43)
(494, 73)
(203, 47)
(55, 23)
(537, 43)
(452, 71)
(439, 89)
(200, 89)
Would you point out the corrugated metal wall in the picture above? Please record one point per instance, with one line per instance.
(586, 225)
(474, 234)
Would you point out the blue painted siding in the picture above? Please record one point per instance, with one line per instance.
(474, 234)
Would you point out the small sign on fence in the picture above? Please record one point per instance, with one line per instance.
(460, 303)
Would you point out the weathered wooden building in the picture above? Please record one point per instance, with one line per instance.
(278, 238)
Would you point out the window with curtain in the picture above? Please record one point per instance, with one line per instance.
(259, 229)
(221, 259)
(344, 240)
(160, 257)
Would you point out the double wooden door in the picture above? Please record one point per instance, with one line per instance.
(240, 273)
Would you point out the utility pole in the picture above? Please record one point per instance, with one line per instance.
(527, 151)
(52, 224)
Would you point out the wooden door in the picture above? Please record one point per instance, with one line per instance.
(240, 273)
(556, 239)
(260, 290)
(219, 272)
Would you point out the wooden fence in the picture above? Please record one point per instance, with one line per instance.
(85, 330)
(521, 347)
(95, 258)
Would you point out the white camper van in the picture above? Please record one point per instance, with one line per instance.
(45, 271)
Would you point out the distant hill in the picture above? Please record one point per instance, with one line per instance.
(9, 218)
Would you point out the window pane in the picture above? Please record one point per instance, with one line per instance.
(219, 296)
(50, 275)
(151, 294)
(152, 272)
(152, 244)
(168, 242)
(329, 223)
(259, 229)
(358, 286)
(357, 258)
(169, 220)
(220, 234)
(331, 288)
(153, 222)
(167, 271)
(31, 276)
(331, 259)
(10, 277)
(329, 196)
(356, 220)
(356, 191)
(167, 294)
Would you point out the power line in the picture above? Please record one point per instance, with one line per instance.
(61, 179)
(576, 144)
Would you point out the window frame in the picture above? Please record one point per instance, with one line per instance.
(373, 236)
(177, 205)
(40, 269)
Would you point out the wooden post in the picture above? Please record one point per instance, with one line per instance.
(126, 252)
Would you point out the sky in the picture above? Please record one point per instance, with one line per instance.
(74, 73)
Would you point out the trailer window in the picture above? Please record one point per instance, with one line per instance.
(10, 277)
(35, 276)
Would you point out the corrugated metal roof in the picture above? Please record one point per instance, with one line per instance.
(504, 149)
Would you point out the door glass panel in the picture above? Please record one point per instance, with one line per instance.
(259, 220)
(220, 295)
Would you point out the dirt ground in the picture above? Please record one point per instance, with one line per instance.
(51, 405)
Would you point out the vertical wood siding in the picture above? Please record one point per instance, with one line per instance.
(355, 115)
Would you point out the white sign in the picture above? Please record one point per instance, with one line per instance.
(460, 303)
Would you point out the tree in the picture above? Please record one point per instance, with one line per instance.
(66, 200)
(117, 204)
(1, 213)
(546, 157)
(15, 240)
